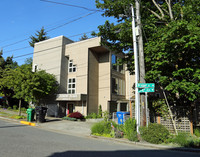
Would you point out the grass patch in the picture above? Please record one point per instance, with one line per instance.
(12, 116)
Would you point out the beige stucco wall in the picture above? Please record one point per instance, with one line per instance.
(104, 80)
(48, 55)
(130, 81)
(93, 79)
(78, 52)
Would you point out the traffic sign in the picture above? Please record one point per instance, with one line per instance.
(145, 85)
(143, 90)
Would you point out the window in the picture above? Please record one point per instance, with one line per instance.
(114, 62)
(72, 67)
(116, 65)
(118, 86)
(71, 86)
(35, 68)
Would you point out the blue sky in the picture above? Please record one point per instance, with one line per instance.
(22, 18)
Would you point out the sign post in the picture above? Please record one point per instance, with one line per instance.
(146, 88)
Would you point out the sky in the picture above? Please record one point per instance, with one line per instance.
(22, 18)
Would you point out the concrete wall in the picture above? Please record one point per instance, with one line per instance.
(49, 56)
(78, 52)
(130, 81)
(104, 80)
(93, 79)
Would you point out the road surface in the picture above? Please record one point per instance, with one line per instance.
(18, 140)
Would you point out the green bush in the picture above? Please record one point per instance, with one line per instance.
(197, 132)
(93, 116)
(69, 118)
(130, 129)
(186, 140)
(154, 133)
(9, 108)
(100, 111)
(23, 109)
(14, 107)
(101, 128)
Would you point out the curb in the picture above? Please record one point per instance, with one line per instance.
(28, 123)
(161, 147)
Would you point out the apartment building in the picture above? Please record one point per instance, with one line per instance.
(88, 76)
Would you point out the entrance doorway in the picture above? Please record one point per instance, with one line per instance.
(70, 108)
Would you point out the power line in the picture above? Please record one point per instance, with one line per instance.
(30, 46)
(70, 5)
(71, 21)
(15, 43)
(52, 29)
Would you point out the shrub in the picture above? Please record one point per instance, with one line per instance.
(154, 133)
(9, 108)
(130, 129)
(93, 116)
(69, 118)
(76, 115)
(14, 107)
(100, 111)
(106, 116)
(197, 132)
(101, 128)
(186, 140)
(23, 109)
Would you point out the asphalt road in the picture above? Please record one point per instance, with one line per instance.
(18, 140)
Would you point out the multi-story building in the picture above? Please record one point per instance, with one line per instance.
(88, 76)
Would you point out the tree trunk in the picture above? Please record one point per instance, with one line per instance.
(191, 120)
(20, 101)
(7, 102)
(141, 61)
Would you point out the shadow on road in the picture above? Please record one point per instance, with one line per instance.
(12, 126)
(52, 120)
(124, 153)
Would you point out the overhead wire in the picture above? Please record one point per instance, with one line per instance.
(52, 29)
(30, 46)
(71, 5)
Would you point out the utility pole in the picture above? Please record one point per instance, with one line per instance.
(137, 97)
(141, 61)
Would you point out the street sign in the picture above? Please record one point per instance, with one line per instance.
(145, 85)
(143, 90)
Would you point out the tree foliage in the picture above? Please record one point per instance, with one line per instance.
(6, 65)
(171, 45)
(84, 37)
(30, 86)
(39, 36)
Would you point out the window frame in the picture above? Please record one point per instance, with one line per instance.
(72, 67)
(70, 84)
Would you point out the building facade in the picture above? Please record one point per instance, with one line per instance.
(88, 76)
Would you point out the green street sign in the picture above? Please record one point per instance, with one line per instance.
(143, 90)
(145, 85)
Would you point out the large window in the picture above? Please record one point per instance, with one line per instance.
(116, 65)
(71, 86)
(118, 86)
(72, 67)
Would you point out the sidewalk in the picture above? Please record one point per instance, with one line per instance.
(76, 128)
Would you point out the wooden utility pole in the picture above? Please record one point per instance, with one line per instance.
(141, 61)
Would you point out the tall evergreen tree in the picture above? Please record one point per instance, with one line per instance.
(39, 36)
